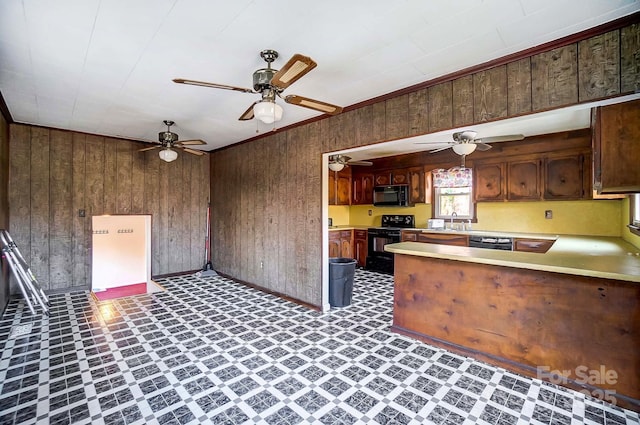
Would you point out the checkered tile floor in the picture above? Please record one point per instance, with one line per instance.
(213, 351)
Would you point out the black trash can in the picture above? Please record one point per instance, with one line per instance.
(341, 271)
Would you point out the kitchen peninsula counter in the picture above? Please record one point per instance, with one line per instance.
(593, 256)
(572, 309)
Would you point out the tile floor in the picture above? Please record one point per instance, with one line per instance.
(212, 351)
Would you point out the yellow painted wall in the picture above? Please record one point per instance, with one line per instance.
(359, 214)
(339, 214)
(597, 218)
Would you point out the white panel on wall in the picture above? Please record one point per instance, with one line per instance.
(121, 251)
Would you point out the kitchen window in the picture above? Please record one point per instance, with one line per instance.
(453, 194)
(634, 213)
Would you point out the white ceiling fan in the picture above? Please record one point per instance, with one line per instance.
(269, 83)
(338, 162)
(465, 142)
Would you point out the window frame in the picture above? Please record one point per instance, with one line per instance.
(435, 202)
(436, 206)
(634, 213)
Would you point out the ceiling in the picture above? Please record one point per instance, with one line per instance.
(106, 66)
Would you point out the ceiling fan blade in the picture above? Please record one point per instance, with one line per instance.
(507, 138)
(482, 146)
(327, 108)
(148, 149)
(211, 85)
(248, 114)
(363, 163)
(439, 149)
(292, 71)
(193, 151)
(191, 142)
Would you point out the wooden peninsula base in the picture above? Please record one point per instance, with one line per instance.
(527, 321)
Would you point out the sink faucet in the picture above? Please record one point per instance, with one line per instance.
(453, 214)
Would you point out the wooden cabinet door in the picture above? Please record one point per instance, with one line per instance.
(400, 177)
(457, 240)
(409, 236)
(343, 188)
(382, 179)
(416, 185)
(367, 188)
(563, 177)
(356, 190)
(346, 244)
(332, 187)
(489, 182)
(362, 189)
(360, 246)
(523, 180)
(616, 148)
(334, 244)
(532, 245)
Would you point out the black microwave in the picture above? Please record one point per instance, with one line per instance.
(395, 195)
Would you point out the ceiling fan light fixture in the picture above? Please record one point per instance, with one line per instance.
(336, 166)
(267, 111)
(168, 155)
(464, 148)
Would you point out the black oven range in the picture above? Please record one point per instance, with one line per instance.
(389, 232)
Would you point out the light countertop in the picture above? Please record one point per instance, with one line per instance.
(489, 233)
(593, 256)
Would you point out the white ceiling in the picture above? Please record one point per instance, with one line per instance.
(105, 66)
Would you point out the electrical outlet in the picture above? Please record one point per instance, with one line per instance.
(370, 213)
(262, 264)
(548, 214)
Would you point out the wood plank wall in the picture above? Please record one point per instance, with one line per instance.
(267, 193)
(4, 205)
(55, 173)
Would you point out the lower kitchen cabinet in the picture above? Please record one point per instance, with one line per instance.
(442, 239)
(532, 245)
(341, 243)
(361, 246)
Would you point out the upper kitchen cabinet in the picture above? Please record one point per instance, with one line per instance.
(523, 180)
(417, 185)
(382, 178)
(564, 177)
(340, 187)
(400, 177)
(489, 182)
(616, 148)
(362, 188)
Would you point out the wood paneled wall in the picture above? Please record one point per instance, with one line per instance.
(4, 205)
(267, 193)
(55, 173)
